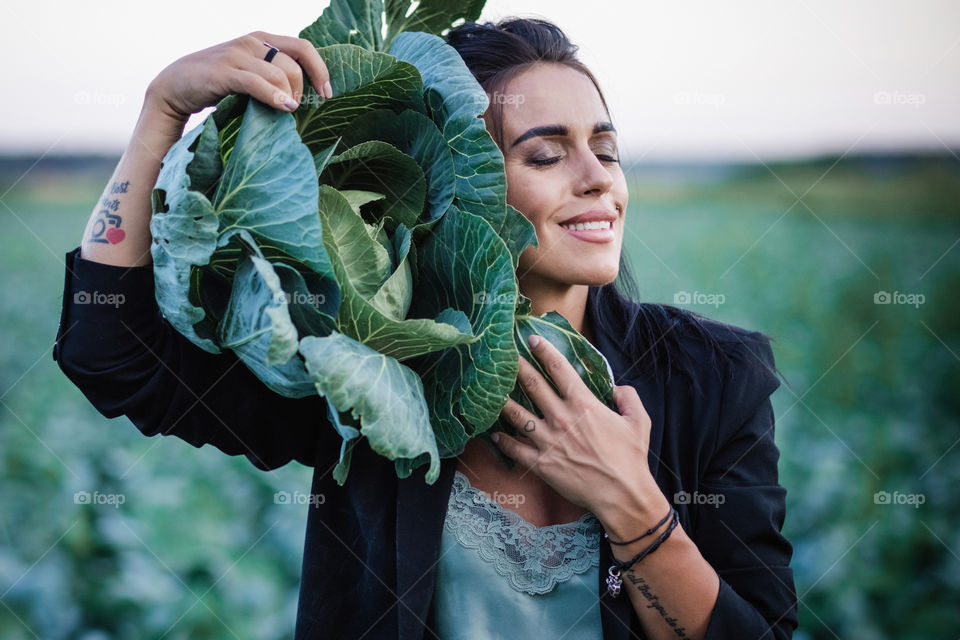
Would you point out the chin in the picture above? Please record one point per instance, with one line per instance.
(607, 270)
(592, 272)
(600, 282)
(597, 277)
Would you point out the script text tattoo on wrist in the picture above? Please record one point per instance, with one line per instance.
(106, 226)
(654, 601)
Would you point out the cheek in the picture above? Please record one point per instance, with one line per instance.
(517, 189)
(530, 195)
(620, 189)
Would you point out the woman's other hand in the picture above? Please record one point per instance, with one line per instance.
(203, 78)
(593, 456)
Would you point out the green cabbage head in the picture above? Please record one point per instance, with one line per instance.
(361, 248)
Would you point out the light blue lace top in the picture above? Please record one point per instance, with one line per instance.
(501, 577)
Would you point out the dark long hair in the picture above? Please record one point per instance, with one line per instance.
(652, 333)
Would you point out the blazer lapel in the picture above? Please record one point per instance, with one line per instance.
(421, 510)
(651, 392)
(616, 613)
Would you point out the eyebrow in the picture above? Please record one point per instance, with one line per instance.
(559, 130)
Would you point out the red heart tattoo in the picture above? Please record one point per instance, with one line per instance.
(115, 235)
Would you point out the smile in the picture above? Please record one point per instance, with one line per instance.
(581, 226)
(596, 231)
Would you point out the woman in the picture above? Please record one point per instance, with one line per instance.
(683, 472)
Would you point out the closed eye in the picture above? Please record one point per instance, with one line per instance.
(543, 162)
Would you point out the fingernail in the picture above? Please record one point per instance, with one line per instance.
(533, 341)
(290, 103)
(327, 89)
(495, 437)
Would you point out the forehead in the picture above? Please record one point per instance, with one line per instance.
(549, 93)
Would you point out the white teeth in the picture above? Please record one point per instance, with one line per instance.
(583, 226)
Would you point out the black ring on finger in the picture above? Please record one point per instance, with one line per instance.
(271, 53)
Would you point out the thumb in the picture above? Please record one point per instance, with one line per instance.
(628, 401)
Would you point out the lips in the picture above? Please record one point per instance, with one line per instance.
(595, 225)
(594, 215)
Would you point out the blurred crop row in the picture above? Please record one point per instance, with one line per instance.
(107, 534)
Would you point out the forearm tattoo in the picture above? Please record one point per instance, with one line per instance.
(654, 601)
(106, 226)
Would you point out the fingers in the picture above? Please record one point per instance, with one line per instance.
(271, 83)
(203, 78)
(300, 51)
(559, 369)
(625, 398)
(538, 389)
(280, 81)
(288, 69)
(519, 418)
(630, 406)
(522, 454)
(254, 84)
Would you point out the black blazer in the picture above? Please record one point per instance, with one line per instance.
(372, 545)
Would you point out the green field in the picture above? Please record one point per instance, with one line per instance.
(200, 549)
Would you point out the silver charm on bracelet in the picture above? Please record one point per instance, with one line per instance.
(614, 583)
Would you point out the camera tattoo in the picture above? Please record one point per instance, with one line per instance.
(106, 227)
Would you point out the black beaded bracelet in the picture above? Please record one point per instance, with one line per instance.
(614, 583)
(646, 533)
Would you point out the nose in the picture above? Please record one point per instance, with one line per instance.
(595, 176)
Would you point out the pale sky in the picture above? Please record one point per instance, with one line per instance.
(691, 80)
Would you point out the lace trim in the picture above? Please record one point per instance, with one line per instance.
(533, 559)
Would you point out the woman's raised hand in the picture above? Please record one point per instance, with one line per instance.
(202, 79)
(183, 88)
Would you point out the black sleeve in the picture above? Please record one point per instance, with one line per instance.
(739, 532)
(117, 348)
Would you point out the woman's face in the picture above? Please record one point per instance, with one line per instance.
(561, 160)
